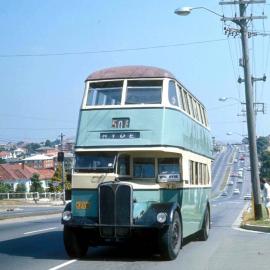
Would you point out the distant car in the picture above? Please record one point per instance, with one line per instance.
(236, 191)
(224, 193)
(247, 197)
(230, 183)
(234, 174)
(239, 181)
(248, 168)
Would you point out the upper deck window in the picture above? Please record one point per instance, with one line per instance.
(172, 94)
(105, 93)
(144, 92)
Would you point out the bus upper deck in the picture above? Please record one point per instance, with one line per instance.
(138, 106)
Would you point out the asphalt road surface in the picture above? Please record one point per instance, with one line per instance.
(36, 243)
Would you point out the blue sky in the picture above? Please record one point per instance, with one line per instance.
(48, 48)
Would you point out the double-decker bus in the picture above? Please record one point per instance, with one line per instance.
(142, 163)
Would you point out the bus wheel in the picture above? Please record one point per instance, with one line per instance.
(170, 239)
(204, 232)
(75, 244)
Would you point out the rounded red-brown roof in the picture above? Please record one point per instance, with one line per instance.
(130, 72)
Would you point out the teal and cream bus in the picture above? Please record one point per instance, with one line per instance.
(142, 163)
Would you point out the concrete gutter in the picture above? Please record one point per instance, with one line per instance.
(18, 215)
(257, 228)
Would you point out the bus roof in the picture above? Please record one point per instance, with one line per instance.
(126, 72)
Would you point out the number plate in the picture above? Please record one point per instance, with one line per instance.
(82, 205)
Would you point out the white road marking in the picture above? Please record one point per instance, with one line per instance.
(63, 265)
(42, 230)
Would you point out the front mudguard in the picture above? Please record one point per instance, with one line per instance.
(149, 218)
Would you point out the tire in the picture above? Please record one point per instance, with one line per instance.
(204, 232)
(170, 239)
(75, 242)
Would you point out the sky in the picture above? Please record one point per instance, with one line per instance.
(48, 48)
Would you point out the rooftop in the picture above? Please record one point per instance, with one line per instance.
(20, 171)
(130, 72)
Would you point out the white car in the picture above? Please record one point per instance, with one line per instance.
(236, 191)
(224, 193)
(230, 183)
(247, 196)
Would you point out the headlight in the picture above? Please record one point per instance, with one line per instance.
(161, 217)
(66, 215)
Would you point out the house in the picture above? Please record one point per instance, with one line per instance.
(5, 155)
(19, 152)
(48, 151)
(15, 174)
(39, 161)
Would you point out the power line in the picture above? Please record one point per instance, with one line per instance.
(110, 51)
(34, 118)
(36, 129)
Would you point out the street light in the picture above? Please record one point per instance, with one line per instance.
(226, 98)
(231, 133)
(184, 11)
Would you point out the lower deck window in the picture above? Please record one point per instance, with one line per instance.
(144, 167)
(168, 165)
(199, 174)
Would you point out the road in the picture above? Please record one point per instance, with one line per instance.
(36, 243)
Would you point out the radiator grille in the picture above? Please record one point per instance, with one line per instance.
(115, 209)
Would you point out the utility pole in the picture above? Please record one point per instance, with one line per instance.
(242, 21)
(61, 158)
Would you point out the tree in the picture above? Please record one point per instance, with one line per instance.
(35, 184)
(56, 182)
(2, 161)
(5, 188)
(262, 144)
(265, 165)
(48, 143)
(20, 188)
(32, 147)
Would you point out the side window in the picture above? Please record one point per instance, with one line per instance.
(144, 167)
(180, 95)
(190, 105)
(172, 95)
(204, 117)
(201, 114)
(191, 172)
(200, 173)
(185, 95)
(194, 102)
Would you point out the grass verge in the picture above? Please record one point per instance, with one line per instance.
(248, 218)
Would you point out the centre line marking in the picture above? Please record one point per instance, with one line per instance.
(43, 230)
(63, 265)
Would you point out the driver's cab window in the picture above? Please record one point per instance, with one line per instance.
(123, 167)
(144, 167)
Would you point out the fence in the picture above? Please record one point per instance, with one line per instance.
(50, 196)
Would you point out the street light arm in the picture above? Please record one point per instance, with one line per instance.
(226, 98)
(209, 10)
